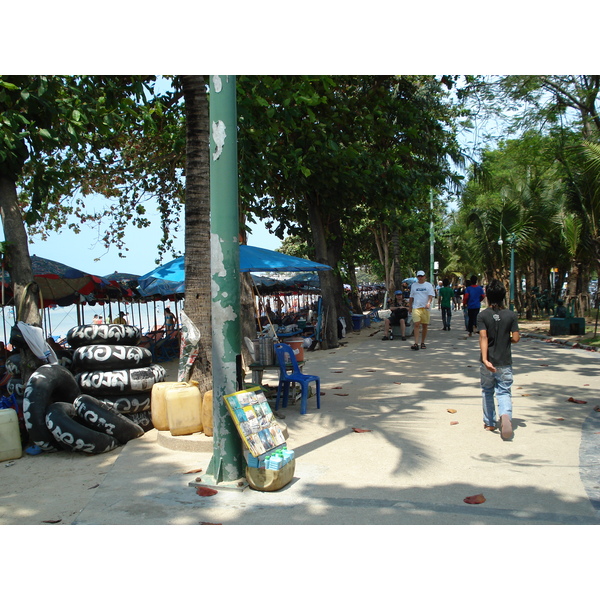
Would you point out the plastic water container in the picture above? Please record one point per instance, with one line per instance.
(184, 409)
(158, 404)
(297, 345)
(207, 413)
(10, 436)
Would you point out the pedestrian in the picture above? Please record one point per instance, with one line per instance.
(472, 298)
(97, 320)
(121, 320)
(398, 316)
(421, 297)
(498, 330)
(446, 297)
(170, 319)
(458, 292)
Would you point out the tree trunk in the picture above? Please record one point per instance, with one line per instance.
(354, 293)
(197, 224)
(18, 264)
(332, 288)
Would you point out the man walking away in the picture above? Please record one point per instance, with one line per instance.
(472, 298)
(498, 329)
(421, 297)
(446, 298)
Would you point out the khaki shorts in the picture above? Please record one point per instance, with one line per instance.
(421, 315)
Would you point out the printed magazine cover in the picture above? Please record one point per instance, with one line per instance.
(254, 420)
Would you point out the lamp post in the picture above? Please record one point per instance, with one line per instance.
(511, 244)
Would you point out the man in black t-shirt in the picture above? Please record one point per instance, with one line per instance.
(498, 330)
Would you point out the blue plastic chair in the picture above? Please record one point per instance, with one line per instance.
(287, 360)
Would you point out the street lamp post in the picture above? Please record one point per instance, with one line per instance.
(511, 244)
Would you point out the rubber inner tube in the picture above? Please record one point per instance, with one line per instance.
(47, 384)
(70, 434)
(105, 357)
(112, 334)
(101, 417)
(123, 381)
(125, 405)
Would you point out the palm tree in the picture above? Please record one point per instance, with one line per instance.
(197, 224)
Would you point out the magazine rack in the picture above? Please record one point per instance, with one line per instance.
(262, 435)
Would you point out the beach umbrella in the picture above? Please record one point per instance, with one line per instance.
(62, 285)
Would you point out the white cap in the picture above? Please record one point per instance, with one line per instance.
(420, 273)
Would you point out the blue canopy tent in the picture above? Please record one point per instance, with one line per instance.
(169, 278)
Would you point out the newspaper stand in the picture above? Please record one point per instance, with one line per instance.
(270, 464)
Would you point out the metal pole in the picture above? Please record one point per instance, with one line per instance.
(512, 272)
(431, 240)
(227, 463)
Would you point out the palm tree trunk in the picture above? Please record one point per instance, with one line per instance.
(197, 224)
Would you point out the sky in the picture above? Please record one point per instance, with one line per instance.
(82, 251)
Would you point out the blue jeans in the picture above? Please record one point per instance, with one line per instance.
(446, 316)
(499, 382)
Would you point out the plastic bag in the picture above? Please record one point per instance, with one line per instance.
(34, 336)
(189, 346)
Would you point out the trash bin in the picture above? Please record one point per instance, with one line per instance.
(357, 322)
(297, 345)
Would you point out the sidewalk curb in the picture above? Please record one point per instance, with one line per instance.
(553, 340)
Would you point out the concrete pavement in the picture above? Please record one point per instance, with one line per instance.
(418, 461)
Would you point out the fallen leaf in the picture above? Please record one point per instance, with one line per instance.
(207, 523)
(357, 430)
(193, 471)
(525, 394)
(586, 385)
(544, 365)
(341, 394)
(398, 382)
(477, 499)
(337, 371)
(337, 387)
(577, 401)
(453, 422)
(322, 393)
(52, 521)
(94, 486)
(451, 410)
(204, 491)
(597, 408)
(371, 371)
(559, 419)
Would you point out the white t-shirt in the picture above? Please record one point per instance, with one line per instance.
(420, 293)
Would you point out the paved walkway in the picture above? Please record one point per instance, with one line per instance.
(418, 461)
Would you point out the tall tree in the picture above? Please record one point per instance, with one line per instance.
(49, 123)
(321, 149)
(197, 224)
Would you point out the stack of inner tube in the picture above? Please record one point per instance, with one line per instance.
(58, 417)
(112, 368)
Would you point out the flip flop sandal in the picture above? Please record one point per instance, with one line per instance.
(506, 430)
(489, 427)
(423, 346)
(414, 347)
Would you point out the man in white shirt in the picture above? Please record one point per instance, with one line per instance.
(421, 297)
